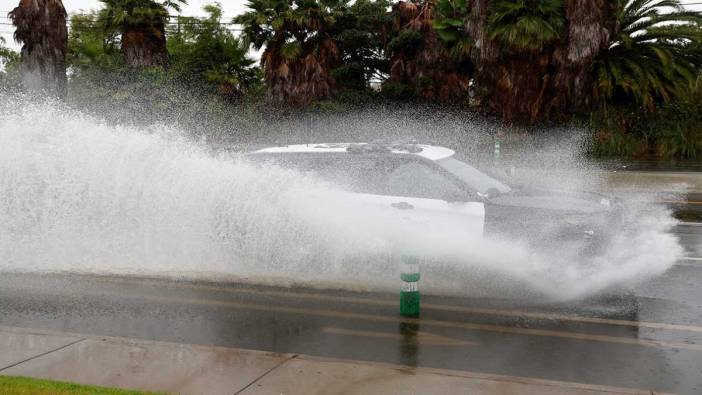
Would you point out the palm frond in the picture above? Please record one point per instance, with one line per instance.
(653, 55)
(525, 24)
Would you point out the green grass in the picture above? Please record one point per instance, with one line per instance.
(10, 385)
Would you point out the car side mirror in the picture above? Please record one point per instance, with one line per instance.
(489, 194)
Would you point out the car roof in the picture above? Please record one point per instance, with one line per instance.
(430, 152)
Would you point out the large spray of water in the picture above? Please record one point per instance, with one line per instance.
(78, 195)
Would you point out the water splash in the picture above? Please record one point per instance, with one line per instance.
(78, 195)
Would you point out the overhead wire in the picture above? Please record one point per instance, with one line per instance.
(193, 21)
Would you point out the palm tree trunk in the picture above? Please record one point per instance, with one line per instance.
(512, 85)
(589, 29)
(518, 86)
(553, 81)
(304, 79)
(41, 28)
(145, 46)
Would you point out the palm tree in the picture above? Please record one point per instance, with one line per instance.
(525, 25)
(142, 25)
(204, 51)
(654, 53)
(537, 59)
(589, 24)
(417, 59)
(515, 43)
(41, 28)
(300, 50)
(449, 25)
(533, 58)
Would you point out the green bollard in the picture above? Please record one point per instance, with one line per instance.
(409, 293)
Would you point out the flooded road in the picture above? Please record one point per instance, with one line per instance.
(649, 340)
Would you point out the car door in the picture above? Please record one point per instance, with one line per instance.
(424, 196)
(400, 196)
(411, 200)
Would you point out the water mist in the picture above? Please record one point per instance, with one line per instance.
(78, 195)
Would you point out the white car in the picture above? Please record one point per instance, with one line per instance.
(429, 186)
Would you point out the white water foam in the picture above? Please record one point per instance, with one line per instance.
(77, 195)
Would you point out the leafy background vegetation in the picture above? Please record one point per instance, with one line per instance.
(628, 69)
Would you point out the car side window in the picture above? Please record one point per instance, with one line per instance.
(378, 175)
(416, 179)
(357, 175)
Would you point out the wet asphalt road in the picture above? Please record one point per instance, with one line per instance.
(651, 340)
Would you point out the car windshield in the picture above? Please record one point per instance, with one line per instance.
(476, 179)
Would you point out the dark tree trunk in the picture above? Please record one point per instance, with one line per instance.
(304, 79)
(41, 28)
(518, 87)
(505, 84)
(589, 28)
(551, 82)
(145, 45)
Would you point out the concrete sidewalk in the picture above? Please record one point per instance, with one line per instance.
(191, 369)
